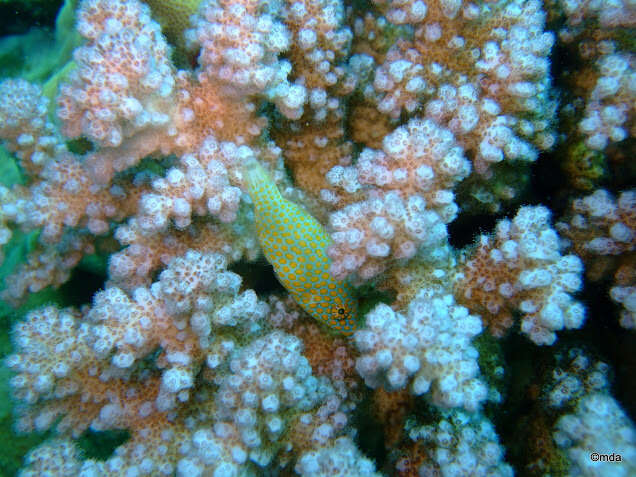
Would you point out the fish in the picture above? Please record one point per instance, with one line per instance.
(295, 244)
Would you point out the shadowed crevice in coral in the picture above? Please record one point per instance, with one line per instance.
(464, 230)
(81, 287)
(370, 437)
(259, 276)
(19, 16)
(100, 445)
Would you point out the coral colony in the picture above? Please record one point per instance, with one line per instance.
(372, 127)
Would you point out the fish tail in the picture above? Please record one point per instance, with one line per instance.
(258, 182)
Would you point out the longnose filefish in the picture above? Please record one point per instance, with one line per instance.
(295, 244)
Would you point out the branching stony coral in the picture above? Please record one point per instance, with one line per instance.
(521, 268)
(459, 443)
(178, 312)
(586, 431)
(597, 30)
(391, 122)
(427, 348)
(602, 231)
(407, 188)
(480, 69)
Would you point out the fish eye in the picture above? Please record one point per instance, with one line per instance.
(341, 311)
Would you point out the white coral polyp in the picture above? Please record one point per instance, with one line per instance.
(428, 347)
